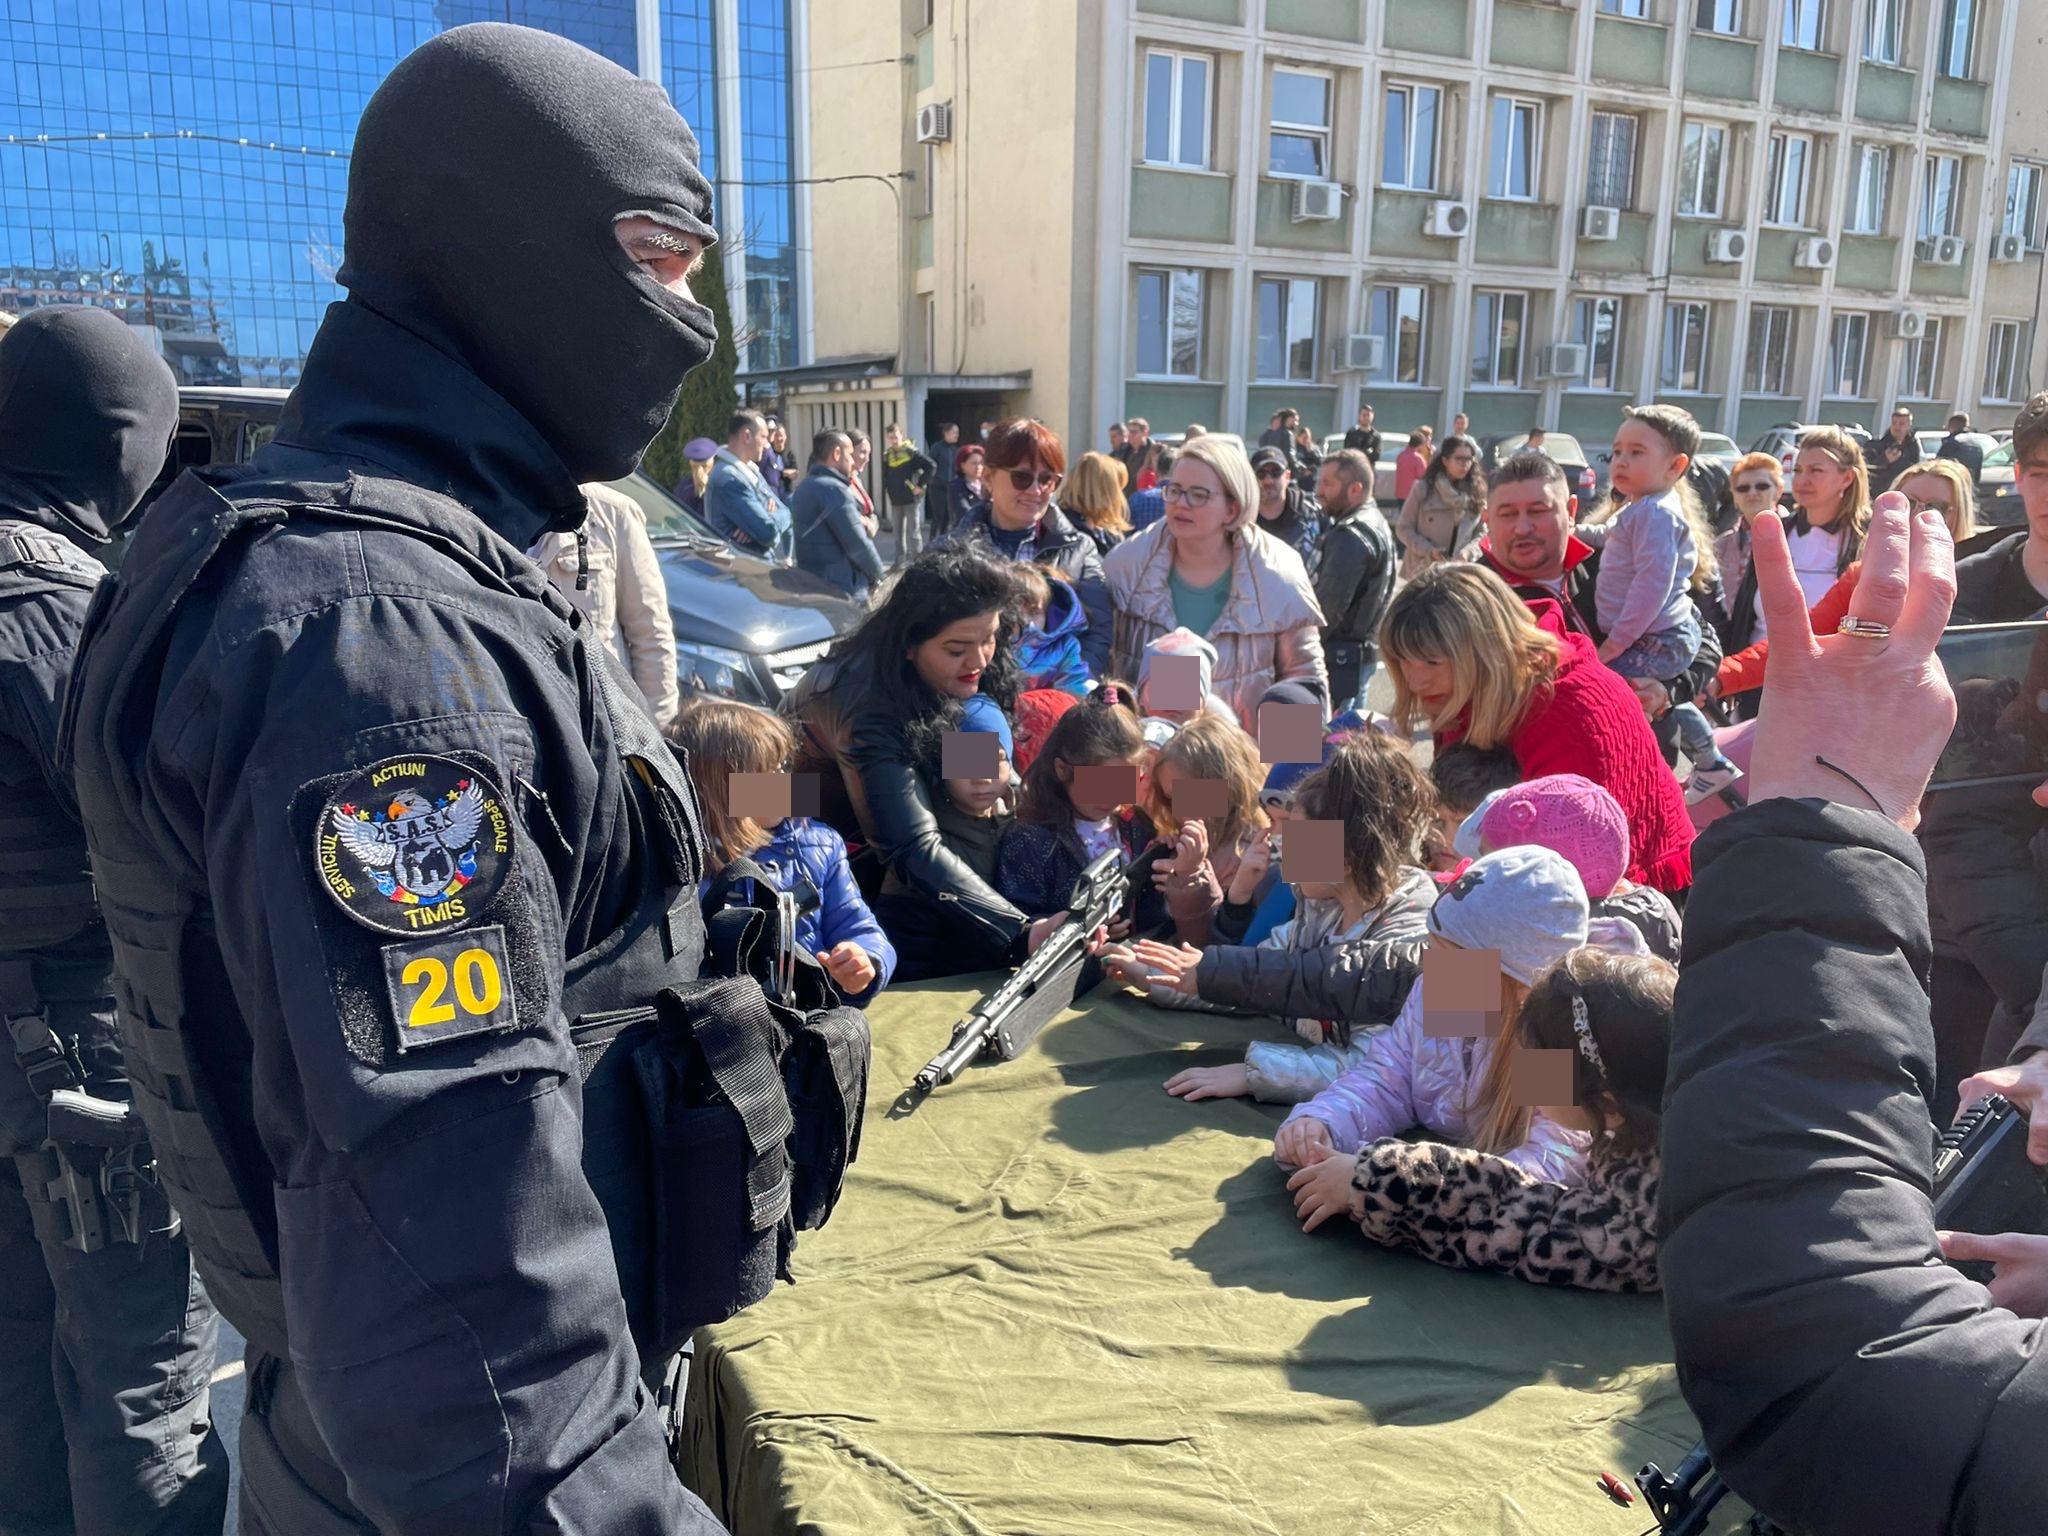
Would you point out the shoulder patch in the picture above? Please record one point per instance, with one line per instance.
(413, 844)
(448, 986)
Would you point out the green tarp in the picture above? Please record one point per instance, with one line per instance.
(1054, 1299)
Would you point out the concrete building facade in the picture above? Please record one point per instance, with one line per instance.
(1199, 210)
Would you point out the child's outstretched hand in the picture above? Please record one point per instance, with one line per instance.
(1322, 1191)
(1191, 1083)
(1251, 869)
(1168, 965)
(851, 968)
(1303, 1143)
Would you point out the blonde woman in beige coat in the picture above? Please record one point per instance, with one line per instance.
(1207, 567)
(1443, 511)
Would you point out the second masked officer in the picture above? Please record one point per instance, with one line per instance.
(372, 823)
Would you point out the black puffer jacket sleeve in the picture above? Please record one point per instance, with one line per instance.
(1982, 877)
(1843, 1382)
(1360, 981)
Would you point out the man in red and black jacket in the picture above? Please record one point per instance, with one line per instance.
(1530, 545)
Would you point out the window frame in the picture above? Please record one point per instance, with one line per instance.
(929, 193)
(1777, 157)
(1895, 12)
(1946, 64)
(1177, 62)
(1390, 370)
(1584, 314)
(1760, 375)
(1863, 152)
(1290, 287)
(1497, 345)
(1838, 325)
(1640, 11)
(2036, 175)
(1627, 201)
(1791, 32)
(1720, 185)
(1671, 380)
(1323, 135)
(1169, 313)
(1953, 224)
(1714, 10)
(1514, 106)
(2005, 353)
(1412, 92)
(1920, 362)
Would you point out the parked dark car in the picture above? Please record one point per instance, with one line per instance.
(1562, 449)
(745, 628)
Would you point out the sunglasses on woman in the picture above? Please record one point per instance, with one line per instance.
(1024, 479)
(1757, 488)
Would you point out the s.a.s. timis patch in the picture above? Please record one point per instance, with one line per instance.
(413, 844)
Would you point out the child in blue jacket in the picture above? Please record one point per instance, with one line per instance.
(1049, 650)
(723, 738)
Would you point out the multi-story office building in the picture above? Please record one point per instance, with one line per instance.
(185, 161)
(1534, 211)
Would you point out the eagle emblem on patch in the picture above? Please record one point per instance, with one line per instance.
(414, 844)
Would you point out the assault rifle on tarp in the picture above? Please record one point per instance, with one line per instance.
(1983, 1183)
(1058, 973)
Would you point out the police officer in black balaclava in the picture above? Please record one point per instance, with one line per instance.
(106, 1339)
(376, 830)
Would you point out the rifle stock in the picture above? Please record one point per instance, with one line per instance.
(1046, 984)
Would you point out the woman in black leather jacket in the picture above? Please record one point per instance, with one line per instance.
(1845, 1379)
(870, 720)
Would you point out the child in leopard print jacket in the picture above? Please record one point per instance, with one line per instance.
(1470, 1210)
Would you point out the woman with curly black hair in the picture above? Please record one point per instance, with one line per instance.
(870, 721)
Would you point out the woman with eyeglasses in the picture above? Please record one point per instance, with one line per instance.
(1207, 567)
(1831, 512)
(1757, 484)
(1022, 521)
(967, 491)
(1443, 510)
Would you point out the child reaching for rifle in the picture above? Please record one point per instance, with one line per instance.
(1468, 1209)
(1361, 936)
(1064, 820)
(724, 738)
(1643, 596)
(1526, 904)
(1574, 816)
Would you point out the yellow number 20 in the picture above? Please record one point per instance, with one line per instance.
(478, 987)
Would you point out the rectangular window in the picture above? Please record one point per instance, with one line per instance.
(1870, 181)
(1848, 346)
(928, 194)
(1512, 162)
(1639, 9)
(1884, 36)
(1611, 161)
(1177, 109)
(931, 334)
(1497, 337)
(1958, 50)
(1767, 363)
(1408, 151)
(1399, 316)
(1941, 197)
(1288, 328)
(1785, 182)
(1804, 25)
(2023, 202)
(1685, 349)
(1169, 323)
(1596, 326)
(1722, 16)
(1702, 152)
(2005, 362)
(1299, 142)
(1920, 363)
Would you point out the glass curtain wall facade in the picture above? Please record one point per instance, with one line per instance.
(185, 162)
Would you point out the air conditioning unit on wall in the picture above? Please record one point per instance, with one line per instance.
(2009, 248)
(1359, 353)
(1941, 251)
(1318, 202)
(1727, 246)
(1449, 220)
(1908, 324)
(1599, 223)
(1815, 255)
(1566, 360)
(935, 123)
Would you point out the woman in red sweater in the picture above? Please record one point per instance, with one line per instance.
(1482, 666)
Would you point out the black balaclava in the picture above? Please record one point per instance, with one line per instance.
(488, 170)
(87, 409)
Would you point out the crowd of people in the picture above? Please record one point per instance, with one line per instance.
(351, 830)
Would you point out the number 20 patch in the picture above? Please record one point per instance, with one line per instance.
(449, 987)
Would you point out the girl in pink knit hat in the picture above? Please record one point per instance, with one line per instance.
(1578, 819)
